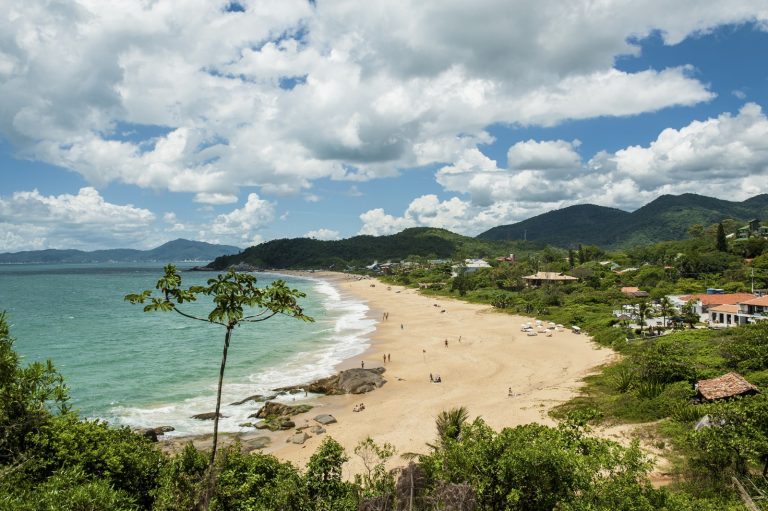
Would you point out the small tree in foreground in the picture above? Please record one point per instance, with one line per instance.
(236, 300)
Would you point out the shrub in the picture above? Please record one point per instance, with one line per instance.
(685, 412)
(71, 489)
(256, 481)
(623, 379)
(648, 389)
(128, 462)
(182, 481)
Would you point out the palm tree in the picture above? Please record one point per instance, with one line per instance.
(644, 311)
(449, 424)
(665, 308)
(689, 313)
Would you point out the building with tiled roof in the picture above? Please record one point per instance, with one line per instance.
(750, 310)
(547, 277)
(727, 314)
(724, 387)
(635, 292)
(709, 300)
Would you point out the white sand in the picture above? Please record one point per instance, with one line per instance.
(492, 356)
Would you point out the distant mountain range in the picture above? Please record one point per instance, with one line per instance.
(667, 218)
(176, 250)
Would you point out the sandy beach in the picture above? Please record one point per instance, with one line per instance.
(485, 356)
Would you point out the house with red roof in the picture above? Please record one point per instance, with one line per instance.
(750, 310)
(724, 387)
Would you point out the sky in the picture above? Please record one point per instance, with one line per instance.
(132, 123)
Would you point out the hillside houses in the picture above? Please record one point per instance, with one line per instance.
(752, 229)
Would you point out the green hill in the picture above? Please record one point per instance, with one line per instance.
(561, 227)
(363, 250)
(666, 218)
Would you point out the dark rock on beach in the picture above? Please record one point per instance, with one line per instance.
(275, 409)
(208, 416)
(325, 419)
(253, 444)
(147, 433)
(351, 381)
(153, 433)
(255, 397)
(277, 415)
(298, 438)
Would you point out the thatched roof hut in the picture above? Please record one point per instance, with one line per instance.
(725, 386)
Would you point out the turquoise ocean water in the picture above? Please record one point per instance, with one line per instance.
(148, 369)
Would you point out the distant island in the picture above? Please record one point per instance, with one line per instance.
(176, 250)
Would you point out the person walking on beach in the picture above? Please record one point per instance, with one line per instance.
(446, 343)
(362, 364)
(389, 357)
(385, 358)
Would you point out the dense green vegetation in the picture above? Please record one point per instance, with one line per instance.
(666, 218)
(360, 251)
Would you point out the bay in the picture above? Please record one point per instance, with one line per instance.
(147, 369)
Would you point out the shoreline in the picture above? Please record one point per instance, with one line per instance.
(486, 354)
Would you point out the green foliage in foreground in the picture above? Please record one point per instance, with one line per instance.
(64, 462)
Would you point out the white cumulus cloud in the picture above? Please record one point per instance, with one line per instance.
(242, 224)
(31, 221)
(323, 234)
(291, 91)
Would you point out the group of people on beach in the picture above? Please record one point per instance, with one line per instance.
(359, 408)
(435, 379)
(387, 357)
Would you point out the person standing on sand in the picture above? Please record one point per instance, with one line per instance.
(446, 343)
(389, 357)
(385, 358)
(362, 364)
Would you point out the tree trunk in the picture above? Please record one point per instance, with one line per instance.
(227, 337)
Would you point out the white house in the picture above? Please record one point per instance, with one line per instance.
(469, 266)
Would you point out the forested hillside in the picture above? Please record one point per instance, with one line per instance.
(363, 250)
(667, 218)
